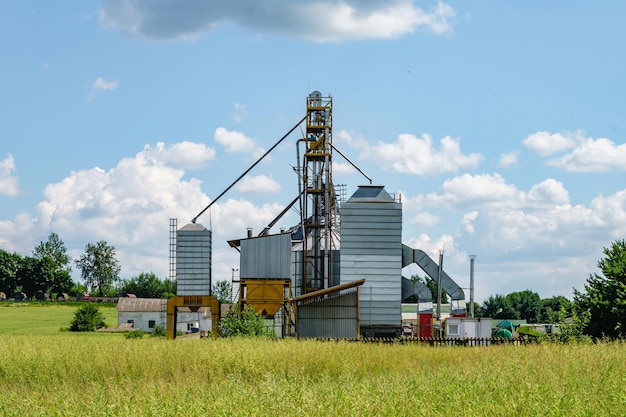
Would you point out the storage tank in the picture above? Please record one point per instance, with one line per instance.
(193, 260)
(371, 248)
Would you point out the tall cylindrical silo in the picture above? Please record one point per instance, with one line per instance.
(193, 260)
(371, 248)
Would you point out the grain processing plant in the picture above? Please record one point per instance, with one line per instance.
(335, 274)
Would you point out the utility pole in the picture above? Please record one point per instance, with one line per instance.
(472, 257)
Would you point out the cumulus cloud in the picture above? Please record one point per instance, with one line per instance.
(419, 156)
(182, 155)
(130, 204)
(508, 159)
(491, 190)
(9, 183)
(585, 154)
(102, 84)
(546, 143)
(233, 141)
(593, 155)
(315, 20)
(425, 219)
(258, 184)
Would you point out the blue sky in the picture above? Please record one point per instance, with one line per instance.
(500, 123)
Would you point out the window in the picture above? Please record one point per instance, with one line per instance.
(453, 329)
(151, 324)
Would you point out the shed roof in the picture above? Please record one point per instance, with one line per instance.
(141, 304)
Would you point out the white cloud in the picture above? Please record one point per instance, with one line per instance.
(130, 205)
(258, 184)
(593, 155)
(102, 84)
(234, 141)
(183, 155)
(468, 220)
(585, 154)
(413, 155)
(546, 143)
(549, 191)
(425, 219)
(9, 183)
(508, 159)
(316, 20)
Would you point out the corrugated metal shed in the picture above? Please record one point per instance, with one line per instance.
(266, 257)
(334, 317)
(371, 248)
(193, 260)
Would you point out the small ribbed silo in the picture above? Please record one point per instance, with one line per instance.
(371, 248)
(193, 260)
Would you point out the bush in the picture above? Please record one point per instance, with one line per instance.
(243, 323)
(88, 318)
(159, 330)
(134, 334)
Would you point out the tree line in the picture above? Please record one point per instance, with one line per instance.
(47, 273)
(602, 301)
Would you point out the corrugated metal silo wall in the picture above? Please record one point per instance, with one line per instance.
(296, 281)
(193, 261)
(334, 317)
(267, 257)
(371, 248)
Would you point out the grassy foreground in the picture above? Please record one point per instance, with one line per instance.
(88, 375)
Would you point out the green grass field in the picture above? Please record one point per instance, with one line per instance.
(66, 374)
(43, 318)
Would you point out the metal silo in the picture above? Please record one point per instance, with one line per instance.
(193, 260)
(371, 248)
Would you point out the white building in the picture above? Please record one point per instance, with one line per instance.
(146, 313)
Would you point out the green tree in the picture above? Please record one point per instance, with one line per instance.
(554, 308)
(243, 323)
(222, 290)
(87, 318)
(99, 267)
(527, 304)
(9, 265)
(604, 295)
(55, 249)
(499, 306)
(145, 285)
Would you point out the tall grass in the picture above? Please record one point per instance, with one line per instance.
(88, 375)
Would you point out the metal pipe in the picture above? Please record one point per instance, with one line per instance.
(439, 288)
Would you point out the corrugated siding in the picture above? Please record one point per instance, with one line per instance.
(333, 317)
(371, 248)
(266, 257)
(296, 279)
(193, 262)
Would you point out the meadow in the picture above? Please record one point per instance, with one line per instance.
(68, 374)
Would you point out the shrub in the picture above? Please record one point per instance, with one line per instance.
(88, 318)
(134, 334)
(159, 330)
(243, 323)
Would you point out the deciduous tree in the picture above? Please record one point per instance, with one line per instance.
(99, 267)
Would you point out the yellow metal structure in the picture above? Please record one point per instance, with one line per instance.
(267, 296)
(193, 302)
